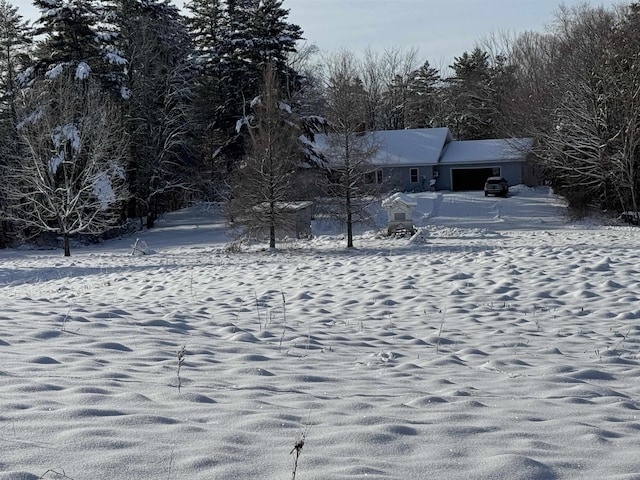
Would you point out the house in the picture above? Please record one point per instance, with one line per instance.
(408, 159)
(430, 158)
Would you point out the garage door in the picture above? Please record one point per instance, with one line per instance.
(469, 178)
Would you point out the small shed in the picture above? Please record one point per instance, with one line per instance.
(294, 219)
(399, 207)
(303, 214)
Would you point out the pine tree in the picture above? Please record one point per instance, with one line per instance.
(469, 100)
(68, 27)
(78, 35)
(207, 25)
(274, 39)
(15, 39)
(158, 114)
(257, 35)
(478, 94)
(423, 105)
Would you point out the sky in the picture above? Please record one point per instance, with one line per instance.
(439, 30)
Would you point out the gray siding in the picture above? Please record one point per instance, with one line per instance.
(399, 178)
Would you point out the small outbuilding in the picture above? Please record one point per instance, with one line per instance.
(294, 220)
(399, 207)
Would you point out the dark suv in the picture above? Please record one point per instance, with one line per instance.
(496, 186)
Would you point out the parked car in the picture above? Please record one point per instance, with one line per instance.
(496, 186)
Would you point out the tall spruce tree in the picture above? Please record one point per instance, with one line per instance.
(207, 23)
(68, 29)
(78, 35)
(15, 39)
(470, 105)
(257, 35)
(423, 104)
(158, 113)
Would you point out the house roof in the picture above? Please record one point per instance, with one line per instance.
(410, 147)
(435, 146)
(487, 151)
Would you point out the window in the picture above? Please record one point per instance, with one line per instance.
(399, 216)
(373, 178)
(414, 175)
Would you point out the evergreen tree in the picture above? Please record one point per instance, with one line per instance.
(77, 34)
(158, 112)
(274, 39)
(396, 98)
(468, 97)
(68, 28)
(207, 24)
(478, 97)
(257, 35)
(423, 106)
(15, 39)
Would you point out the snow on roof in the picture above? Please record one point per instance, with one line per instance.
(285, 206)
(482, 151)
(434, 146)
(420, 146)
(396, 198)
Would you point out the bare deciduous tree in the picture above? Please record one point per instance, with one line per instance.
(624, 98)
(385, 78)
(348, 147)
(264, 182)
(68, 176)
(571, 98)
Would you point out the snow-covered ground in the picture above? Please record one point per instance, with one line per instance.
(503, 342)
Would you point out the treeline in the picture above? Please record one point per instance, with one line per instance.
(112, 110)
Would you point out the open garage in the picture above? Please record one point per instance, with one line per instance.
(470, 178)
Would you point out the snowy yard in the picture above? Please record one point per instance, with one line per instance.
(505, 344)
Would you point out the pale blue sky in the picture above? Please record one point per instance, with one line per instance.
(439, 29)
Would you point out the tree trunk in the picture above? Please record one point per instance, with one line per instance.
(349, 222)
(67, 247)
(272, 236)
(151, 218)
(347, 204)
